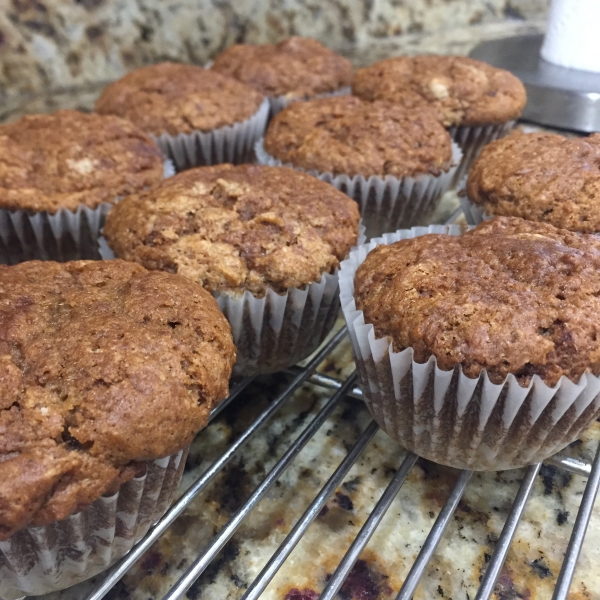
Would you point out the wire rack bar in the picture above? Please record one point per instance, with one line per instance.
(115, 573)
(434, 537)
(270, 570)
(584, 513)
(367, 530)
(508, 531)
(213, 548)
(308, 374)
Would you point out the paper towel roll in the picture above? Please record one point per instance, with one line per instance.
(572, 37)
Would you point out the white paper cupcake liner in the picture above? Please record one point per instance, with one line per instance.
(450, 418)
(386, 203)
(65, 235)
(39, 560)
(472, 139)
(230, 144)
(277, 330)
(474, 214)
(278, 103)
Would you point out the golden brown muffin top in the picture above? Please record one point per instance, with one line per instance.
(297, 67)
(69, 158)
(237, 228)
(541, 177)
(462, 90)
(345, 135)
(103, 365)
(176, 98)
(511, 296)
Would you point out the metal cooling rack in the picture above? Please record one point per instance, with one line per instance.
(340, 389)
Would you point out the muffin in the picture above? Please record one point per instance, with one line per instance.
(395, 162)
(197, 116)
(108, 371)
(295, 69)
(475, 101)
(541, 177)
(59, 175)
(482, 350)
(266, 241)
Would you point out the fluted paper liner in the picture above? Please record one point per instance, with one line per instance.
(39, 560)
(278, 103)
(386, 203)
(472, 139)
(65, 235)
(278, 330)
(453, 419)
(474, 214)
(229, 144)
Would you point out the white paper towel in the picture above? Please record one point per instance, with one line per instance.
(572, 38)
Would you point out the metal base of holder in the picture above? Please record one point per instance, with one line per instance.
(556, 96)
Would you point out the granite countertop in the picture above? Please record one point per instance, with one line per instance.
(533, 562)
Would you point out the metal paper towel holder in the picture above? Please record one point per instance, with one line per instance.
(556, 96)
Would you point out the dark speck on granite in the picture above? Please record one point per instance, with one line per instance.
(344, 501)
(554, 479)
(540, 568)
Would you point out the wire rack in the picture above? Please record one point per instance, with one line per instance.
(338, 389)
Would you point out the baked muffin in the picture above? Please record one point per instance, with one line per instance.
(476, 101)
(539, 176)
(197, 116)
(371, 150)
(295, 69)
(481, 327)
(266, 241)
(106, 367)
(67, 162)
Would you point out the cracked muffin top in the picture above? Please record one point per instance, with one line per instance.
(345, 135)
(175, 98)
(510, 296)
(103, 365)
(541, 177)
(297, 67)
(463, 91)
(69, 158)
(238, 228)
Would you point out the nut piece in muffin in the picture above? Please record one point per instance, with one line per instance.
(297, 67)
(346, 135)
(178, 98)
(542, 177)
(511, 296)
(69, 159)
(237, 228)
(463, 91)
(103, 365)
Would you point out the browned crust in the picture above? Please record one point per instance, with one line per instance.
(511, 296)
(462, 90)
(69, 159)
(102, 365)
(541, 177)
(237, 228)
(176, 98)
(296, 67)
(345, 135)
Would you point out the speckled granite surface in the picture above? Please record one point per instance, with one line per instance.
(62, 43)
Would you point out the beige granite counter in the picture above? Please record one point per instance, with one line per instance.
(55, 44)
